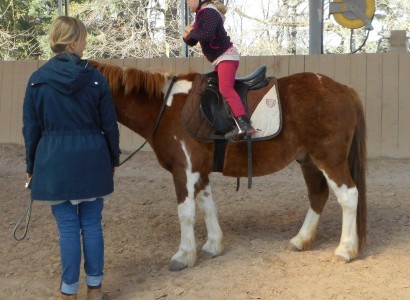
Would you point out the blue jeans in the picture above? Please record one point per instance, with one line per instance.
(73, 220)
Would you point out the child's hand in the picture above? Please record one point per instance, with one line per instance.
(188, 28)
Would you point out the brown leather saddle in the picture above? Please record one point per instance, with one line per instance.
(214, 108)
(213, 118)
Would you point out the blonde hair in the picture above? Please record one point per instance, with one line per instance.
(63, 31)
(220, 6)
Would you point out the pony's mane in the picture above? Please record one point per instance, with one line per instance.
(131, 79)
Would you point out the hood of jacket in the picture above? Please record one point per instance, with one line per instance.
(65, 72)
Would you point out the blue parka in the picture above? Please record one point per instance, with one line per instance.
(70, 131)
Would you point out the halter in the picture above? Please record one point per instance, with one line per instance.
(202, 2)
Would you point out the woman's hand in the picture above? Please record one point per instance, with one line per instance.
(28, 180)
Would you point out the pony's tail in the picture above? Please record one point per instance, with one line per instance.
(357, 165)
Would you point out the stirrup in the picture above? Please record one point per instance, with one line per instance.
(234, 135)
(243, 128)
(244, 125)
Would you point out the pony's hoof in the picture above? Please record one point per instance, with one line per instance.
(176, 266)
(342, 259)
(213, 249)
(293, 247)
(346, 254)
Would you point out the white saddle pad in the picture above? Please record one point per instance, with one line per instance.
(267, 117)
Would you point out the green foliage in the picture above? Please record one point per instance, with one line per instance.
(151, 28)
(23, 28)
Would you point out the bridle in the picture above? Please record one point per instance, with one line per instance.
(161, 112)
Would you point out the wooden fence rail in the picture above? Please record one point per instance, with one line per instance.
(382, 81)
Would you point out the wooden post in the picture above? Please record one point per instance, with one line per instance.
(398, 41)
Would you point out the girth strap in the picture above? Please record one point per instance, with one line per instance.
(249, 145)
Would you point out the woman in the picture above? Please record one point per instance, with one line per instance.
(72, 148)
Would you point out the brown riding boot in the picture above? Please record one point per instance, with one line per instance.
(67, 297)
(95, 293)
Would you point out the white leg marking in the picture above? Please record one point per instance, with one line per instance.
(186, 255)
(214, 244)
(347, 197)
(307, 232)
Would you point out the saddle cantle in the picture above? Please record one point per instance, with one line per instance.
(212, 105)
(253, 81)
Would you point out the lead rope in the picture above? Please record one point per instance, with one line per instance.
(26, 215)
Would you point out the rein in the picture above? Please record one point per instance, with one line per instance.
(161, 112)
(27, 214)
(133, 153)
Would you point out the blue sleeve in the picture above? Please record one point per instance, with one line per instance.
(108, 121)
(31, 128)
(205, 25)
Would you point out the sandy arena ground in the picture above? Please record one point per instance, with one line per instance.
(142, 232)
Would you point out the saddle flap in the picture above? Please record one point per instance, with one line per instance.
(215, 110)
(192, 120)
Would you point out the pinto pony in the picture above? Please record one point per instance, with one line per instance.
(323, 130)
